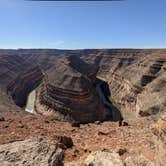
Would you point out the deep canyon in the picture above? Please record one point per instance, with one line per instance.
(110, 103)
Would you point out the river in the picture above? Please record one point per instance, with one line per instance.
(30, 105)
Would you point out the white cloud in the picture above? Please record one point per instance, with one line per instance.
(56, 44)
(59, 43)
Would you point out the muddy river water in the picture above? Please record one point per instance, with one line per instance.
(30, 105)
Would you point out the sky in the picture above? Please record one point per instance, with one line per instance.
(79, 25)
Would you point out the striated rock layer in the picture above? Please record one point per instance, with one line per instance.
(66, 80)
(23, 84)
(136, 79)
(31, 152)
(70, 93)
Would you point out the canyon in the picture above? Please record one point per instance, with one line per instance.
(110, 102)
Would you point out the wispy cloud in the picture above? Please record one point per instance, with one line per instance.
(52, 44)
(59, 43)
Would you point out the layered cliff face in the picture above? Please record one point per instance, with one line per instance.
(20, 72)
(68, 92)
(11, 64)
(23, 84)
(136, 79)
(67, 80)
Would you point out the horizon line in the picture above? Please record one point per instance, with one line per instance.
(124, 48)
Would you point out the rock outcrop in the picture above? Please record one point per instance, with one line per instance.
(79, 143)
(100, 158)
(138, 161)
(38, 152)
(159, 130)
(23, 84)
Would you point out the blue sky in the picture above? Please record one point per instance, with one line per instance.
(75, 25)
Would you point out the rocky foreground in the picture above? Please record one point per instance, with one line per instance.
(92, 107)
(40, 140)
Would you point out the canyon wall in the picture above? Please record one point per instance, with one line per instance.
(136, 79)
(23, 84)
(67, 90)
(66, 80)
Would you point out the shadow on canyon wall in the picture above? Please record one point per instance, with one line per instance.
(104, 93)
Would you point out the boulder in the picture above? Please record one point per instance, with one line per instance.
(101, 158)
(67, 141)
(35, 151)
(138, 161)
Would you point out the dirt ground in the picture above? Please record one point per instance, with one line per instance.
(136, 138)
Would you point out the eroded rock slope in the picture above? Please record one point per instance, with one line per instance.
(66, 81)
